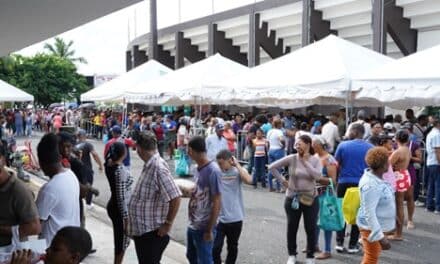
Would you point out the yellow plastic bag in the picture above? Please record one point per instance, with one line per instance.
(351, 204)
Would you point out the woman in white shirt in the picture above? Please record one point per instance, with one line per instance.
(276, 140)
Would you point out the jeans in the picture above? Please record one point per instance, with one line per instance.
(89, 179)
(275, 155)
(327, 240)
(418, 185)
(293, 219)
(19, 129)
(198, 250)
(340, 235)
(161, 147)
(150, 247)
(260, 170)
(433, 188)
(232, 233)
(251, 161)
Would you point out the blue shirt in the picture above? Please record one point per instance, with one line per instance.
(208, 184)
(266, 127)
(377, 212)
(351, 159)
(232, 197)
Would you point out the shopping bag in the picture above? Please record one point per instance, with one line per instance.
(247, 153)
(331, 217)
(181, 166)
(37, 246)
(351, 204)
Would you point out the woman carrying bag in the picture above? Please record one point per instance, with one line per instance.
(304, 170)
(329, 173)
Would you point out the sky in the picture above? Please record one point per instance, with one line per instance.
(103, 42)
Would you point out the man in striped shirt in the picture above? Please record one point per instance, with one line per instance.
(153, 204)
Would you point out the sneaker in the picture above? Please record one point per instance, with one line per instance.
(419, 204)
(436, 212)
(353, 249)
(340, 249)
(310, 261)
(291, 260)
(89, 206)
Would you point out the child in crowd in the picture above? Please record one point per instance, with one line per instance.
(260, 146)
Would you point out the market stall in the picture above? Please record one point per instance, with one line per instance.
(10, 93)
(411, 81)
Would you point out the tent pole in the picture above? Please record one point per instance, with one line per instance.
(347, 106)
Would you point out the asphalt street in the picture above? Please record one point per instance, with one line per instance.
(263, 238)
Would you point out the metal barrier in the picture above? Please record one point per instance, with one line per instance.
(422, 176)
(241, 145)
(197, 131)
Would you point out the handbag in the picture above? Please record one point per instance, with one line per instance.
(331, 217)
(305, 198)
(351, 204)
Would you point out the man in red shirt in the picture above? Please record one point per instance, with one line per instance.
(116, 136)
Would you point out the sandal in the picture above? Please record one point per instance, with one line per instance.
(395, 238)
(410, 225)
(324, 255)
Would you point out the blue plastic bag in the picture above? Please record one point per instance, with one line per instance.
(181, 164)
(105, 138)
(331, 217)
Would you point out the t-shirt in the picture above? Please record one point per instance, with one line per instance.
(232, 197)
(86, 148)
(274, 137)
(266, 127)
(17, 206)
(58, 204)
(351, 158)
(432, 142)
(215, 144)
(128, 143)
(57, 121)
(260, 147)
(208, 184)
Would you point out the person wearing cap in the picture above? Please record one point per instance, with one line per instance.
(216, 142)
(316, 129)
(87, 149)
(116, 136)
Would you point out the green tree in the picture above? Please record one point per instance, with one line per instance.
(49, 78)
(63, 50)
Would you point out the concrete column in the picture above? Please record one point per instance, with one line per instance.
(153, 52)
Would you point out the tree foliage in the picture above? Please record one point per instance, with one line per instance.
(49, 78)
(63, 50)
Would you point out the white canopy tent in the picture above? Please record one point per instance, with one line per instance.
(407, 82)
(184, 86)
(9, 93)
(114, 90)
(319, 73)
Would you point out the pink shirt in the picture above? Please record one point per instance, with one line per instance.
(57, 121)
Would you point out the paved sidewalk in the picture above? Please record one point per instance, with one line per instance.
(100, 228)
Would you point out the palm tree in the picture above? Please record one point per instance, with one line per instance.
(63, 50)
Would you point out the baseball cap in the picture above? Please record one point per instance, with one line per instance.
(388, 126)
(116, 129)
(81, 132)
(219, 127)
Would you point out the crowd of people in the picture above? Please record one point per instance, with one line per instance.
(298, 155)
